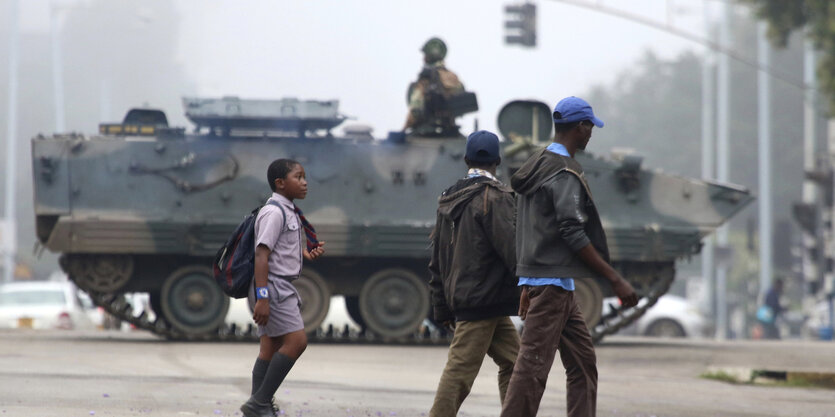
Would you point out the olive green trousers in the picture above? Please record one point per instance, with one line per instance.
(496, 337)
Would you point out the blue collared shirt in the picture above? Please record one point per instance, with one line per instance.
(566, 283)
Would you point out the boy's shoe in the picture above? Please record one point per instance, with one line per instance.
(252, 408)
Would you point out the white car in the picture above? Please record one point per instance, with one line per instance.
(671, 316)
(42, 305)
(817, 322)
(338, 317)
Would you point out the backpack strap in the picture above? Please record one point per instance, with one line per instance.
(283, 216)
(283, 222)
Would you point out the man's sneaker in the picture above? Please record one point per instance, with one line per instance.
(252, 408)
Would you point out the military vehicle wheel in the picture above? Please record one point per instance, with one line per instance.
(590, 298)
(352, 304)
(316, 299)
(191, 301)
(100, 273)
(394, 302)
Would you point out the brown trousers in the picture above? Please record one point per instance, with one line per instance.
(554, 321)
(496, 337)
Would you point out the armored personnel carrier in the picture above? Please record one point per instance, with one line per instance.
(142, 207)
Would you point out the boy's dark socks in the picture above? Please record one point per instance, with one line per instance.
(277, 370)
(258, 373)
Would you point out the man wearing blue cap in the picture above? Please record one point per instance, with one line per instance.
(559, 238)
(473, 285)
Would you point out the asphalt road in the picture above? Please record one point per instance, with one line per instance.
(135, 374)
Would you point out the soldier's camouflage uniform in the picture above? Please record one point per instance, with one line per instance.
(434, 81)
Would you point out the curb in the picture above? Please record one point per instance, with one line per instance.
(753, 376)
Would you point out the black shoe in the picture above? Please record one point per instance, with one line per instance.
(252, 408)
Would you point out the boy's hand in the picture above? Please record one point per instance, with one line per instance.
(261, 312)
(625, 292)
(315, 253)
(524, 303)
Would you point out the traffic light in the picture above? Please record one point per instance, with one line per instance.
(521, 24)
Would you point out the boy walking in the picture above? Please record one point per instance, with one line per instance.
(274, 301)
(473, 285)
(559, 238)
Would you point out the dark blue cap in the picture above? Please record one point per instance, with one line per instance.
(574, 109)
(483, 147)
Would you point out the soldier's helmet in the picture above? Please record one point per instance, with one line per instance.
(434, 50)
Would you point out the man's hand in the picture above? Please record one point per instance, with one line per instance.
(450, 325)
(625, 292)
(524, 303)
(261, 312)
(315, 253)
(588, 254)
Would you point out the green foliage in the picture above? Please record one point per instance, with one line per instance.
(764, 377)
(720, 376)
(818, 16)
(655, 107)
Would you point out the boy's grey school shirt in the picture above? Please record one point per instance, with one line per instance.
(284, 242)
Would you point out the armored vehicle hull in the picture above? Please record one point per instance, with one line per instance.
(146, 213)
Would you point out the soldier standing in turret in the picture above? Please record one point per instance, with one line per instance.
(428, 95)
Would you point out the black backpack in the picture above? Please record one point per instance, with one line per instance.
(234, 266)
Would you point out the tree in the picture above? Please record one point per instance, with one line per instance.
(784, 17)
(654, 106)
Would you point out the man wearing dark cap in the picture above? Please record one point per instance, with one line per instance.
(473, 285)
(559, 238)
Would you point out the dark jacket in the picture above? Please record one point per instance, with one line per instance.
(556, 218)
(772, 300)
(473, 252)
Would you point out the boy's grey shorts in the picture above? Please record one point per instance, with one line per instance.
(285, 309)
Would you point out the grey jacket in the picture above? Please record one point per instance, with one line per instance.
(556, 217)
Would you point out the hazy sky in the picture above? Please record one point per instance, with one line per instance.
(365, 52)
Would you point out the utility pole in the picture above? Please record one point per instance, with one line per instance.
(810, 201)
(708, 153)
(10, 226)
(829, 284)
(764, 165)
(723, 129)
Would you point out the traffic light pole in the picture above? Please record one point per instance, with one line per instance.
(708, 157)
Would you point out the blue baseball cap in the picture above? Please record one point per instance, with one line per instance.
(574, 109)
(483, 147)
